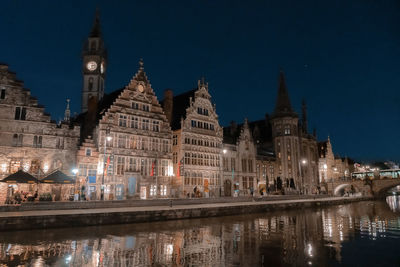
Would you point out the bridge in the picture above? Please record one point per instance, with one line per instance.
(375, 187)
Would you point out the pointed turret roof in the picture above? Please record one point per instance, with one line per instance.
(283, 106)
(96, 30)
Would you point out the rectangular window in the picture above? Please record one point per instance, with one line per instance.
(193, 123)
(17, 113)
(175, 139)
(82, 170)
(135, 105)
(121, 165)
(88, 152)
(134, 123)
(244, 165)
(3, 94)
(122, 120)
(20, 113)
(156, 126)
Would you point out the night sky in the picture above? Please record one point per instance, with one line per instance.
(341, 56)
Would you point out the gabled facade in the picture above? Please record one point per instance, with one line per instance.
(197, 142)
(29, 139)
(239, 164)
(137, 155)
(331, 167)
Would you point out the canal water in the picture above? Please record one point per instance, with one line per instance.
(358, 234)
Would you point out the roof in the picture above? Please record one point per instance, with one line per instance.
(88, 124)
(180, 104)
(283, 107)
(57, 177)
(261, 131)
(20, 177)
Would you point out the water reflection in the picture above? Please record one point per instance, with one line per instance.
(306, 237)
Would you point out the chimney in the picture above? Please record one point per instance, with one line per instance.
(168, 104)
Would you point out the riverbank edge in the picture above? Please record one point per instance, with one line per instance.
(108, 216)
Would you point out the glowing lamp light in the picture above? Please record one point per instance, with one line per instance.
(304, 161)
(75, 171)
(45, 168)
(109, 138)
(325, 166)
(26, 167)
(4, 167)
(224, 151)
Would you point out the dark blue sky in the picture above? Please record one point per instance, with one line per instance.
(342, 56)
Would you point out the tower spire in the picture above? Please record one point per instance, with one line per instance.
(67, 112)
(283, 106)
(96, 30)
(304, 116)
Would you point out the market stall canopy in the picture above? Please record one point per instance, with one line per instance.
(20, 177)
(57, 177)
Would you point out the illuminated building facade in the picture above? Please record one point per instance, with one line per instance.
(197, 141)
(29, 139)
(239, 161)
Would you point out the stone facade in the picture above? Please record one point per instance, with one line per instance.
(331, 167)
(29, 139)
(138, 156)
(87, 158)
(295, 149)
(197, 142)
(239, 164)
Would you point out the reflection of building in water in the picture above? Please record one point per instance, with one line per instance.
(290, 238)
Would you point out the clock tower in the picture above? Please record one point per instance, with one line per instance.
(94, 62)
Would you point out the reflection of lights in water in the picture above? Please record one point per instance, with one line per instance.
(169, 249)
(309, 263)
(310, 250)
(96, 258)
(39, 262)
(68, 259)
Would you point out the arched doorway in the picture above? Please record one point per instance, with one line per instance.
(228, 188)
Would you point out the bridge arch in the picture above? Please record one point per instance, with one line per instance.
(341, 189)
(381, 192)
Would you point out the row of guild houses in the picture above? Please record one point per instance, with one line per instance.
(128, 144)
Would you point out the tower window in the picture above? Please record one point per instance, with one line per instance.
(3, 94)
(90, 86)
(287, 129)
(93, 45)
(88, 152)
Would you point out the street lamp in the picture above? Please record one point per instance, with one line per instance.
(303, 163)
(224, 151)
(107, 138)
(75, 171)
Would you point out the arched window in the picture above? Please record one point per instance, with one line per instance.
(15, 140)
(20, 139)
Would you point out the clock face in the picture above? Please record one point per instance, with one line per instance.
(140, 88)
(91, 65)
(102, 67)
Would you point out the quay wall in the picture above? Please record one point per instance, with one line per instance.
(84, 217)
